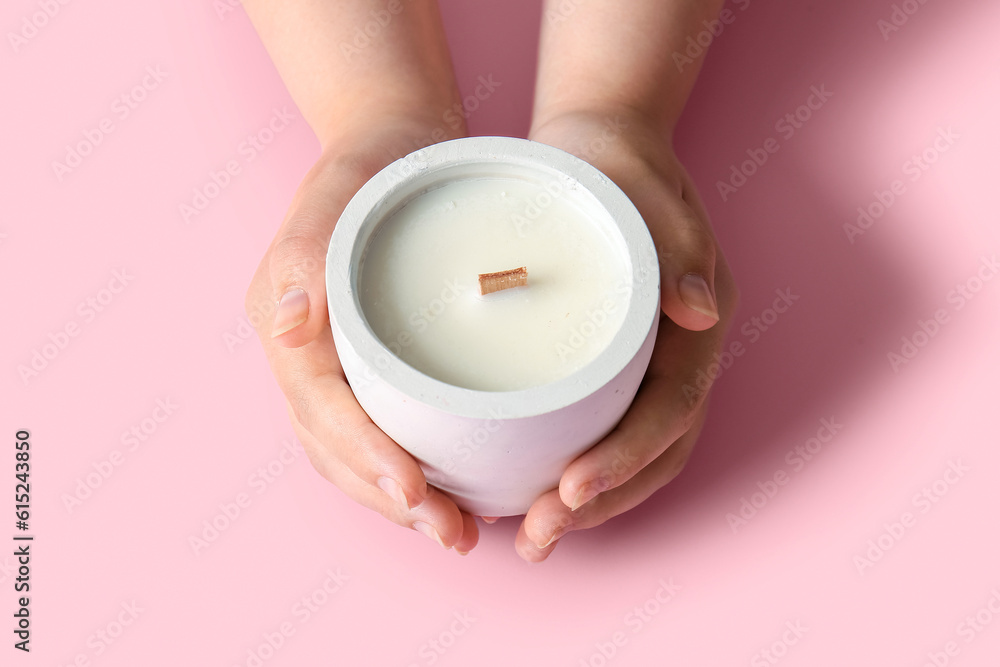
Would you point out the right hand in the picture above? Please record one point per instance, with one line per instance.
(341, 441)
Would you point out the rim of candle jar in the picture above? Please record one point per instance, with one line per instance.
(458, 159)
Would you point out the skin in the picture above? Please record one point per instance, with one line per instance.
(608, 91)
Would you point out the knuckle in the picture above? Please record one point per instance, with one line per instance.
(304, 237)
(298, 253)
(691, 244)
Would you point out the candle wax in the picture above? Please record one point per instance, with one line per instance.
(418, 284)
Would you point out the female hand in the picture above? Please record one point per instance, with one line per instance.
(342, 442)
(368, 103)
(651, 444)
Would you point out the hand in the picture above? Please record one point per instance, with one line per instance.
(651, 444)
(342, 442)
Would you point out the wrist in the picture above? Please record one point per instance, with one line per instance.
(603, 130)
(397, 125)
(355, 146)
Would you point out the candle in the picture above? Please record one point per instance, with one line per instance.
(494, 304)
(420, 293)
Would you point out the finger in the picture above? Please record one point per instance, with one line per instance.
(470, 534)
(312, 379)
(537, 547)
(549, 520)
(297, 255)
(437, 517)
(324, 404)
(686, 249)
(665, 408)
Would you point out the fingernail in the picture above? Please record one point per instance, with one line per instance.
(395, 491)
(589, 491)
(462, 553)
(489, 519)
(697, 296)
(429, 531)
(555, 536)
(293, 310)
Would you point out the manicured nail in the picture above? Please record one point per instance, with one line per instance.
(395, 491)
(489, 519)
(429, 531)
(293, 310)
(697, 296)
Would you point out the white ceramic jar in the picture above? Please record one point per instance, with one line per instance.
(511, 390)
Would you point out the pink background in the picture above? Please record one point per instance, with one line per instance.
(176, 331)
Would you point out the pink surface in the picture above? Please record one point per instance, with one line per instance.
(672, 582)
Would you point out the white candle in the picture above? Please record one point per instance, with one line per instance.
(494, 395)
(419, 292)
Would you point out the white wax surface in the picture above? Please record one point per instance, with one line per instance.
(419, 287)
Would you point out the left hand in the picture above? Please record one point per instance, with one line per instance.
(651, 444)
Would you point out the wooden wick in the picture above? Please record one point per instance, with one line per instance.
(494, 282)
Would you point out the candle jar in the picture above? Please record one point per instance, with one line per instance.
(493, 395)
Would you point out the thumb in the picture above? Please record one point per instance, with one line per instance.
(297, 255)
(686, 249)
(298, 281)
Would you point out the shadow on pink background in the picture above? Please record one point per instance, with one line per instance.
(822, 572)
